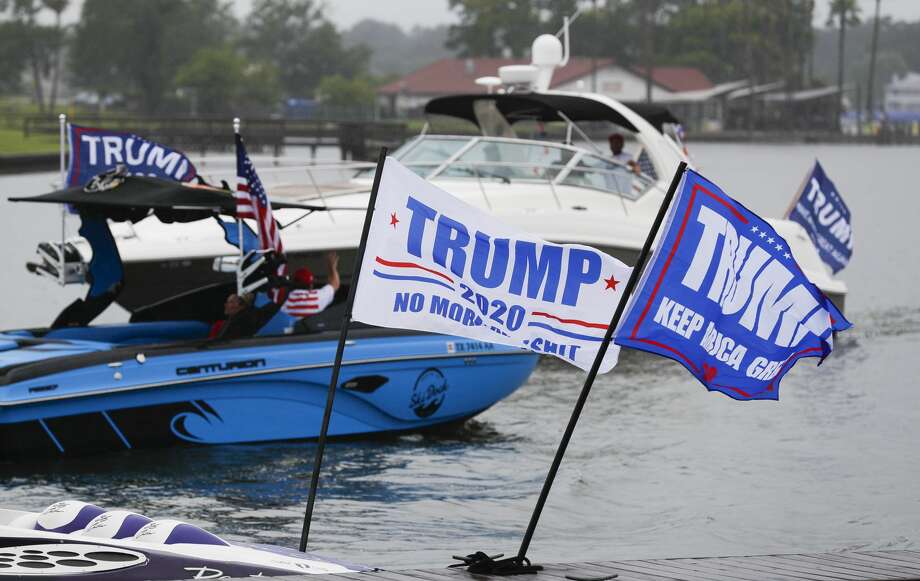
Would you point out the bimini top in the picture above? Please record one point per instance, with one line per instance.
(122, 198)
(546, 107)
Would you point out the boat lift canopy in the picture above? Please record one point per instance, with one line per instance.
(133, 198)
(547, 107)
(118, 197)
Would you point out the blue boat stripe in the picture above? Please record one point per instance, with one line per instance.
(51, 435)
(111, 422)
(413, 278)
(565, 333)
(199, 408)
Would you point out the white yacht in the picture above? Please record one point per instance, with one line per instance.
(532, 159)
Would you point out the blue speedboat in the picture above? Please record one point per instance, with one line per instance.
(158, 380)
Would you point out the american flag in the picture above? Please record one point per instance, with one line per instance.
(302, 303)
(252, 202)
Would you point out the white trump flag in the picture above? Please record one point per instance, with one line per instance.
(434, 263)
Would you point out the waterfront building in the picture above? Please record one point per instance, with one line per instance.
(405, 97)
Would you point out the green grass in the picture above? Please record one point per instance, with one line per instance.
(12, 142)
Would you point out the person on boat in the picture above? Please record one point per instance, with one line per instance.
(242, 318)
(617, 141)
(304, 300)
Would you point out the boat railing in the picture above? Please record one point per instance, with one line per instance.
(325, 181)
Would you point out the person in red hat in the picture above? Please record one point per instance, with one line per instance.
(306, 300)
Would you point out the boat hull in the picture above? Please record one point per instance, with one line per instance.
(72, 538)
(250, 394)
(155, 281)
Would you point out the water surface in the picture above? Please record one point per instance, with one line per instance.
(658, 467)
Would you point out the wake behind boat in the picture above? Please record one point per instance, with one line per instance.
(159, 380)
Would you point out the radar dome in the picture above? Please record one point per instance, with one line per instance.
(546, 51)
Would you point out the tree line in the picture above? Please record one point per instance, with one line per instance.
(726, 39)
(173, 56)
(756, 40)
(195, 56)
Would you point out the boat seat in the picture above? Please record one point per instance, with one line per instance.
(67, 516)
(172, 532)
(115, 524)
(134, 333)
(280, 324)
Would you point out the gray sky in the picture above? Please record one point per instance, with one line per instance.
(898, 9)
(409, 13)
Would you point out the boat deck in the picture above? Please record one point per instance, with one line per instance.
(849, 566)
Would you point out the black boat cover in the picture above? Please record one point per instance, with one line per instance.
(546, 107)
(135, 197)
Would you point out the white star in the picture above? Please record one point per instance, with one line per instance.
(786, 255)
(779, 246)
(771, 240)
(755, 229)
(763, 234)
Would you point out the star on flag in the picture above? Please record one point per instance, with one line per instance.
(611, 283)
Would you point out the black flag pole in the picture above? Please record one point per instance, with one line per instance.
(343, 335)
(521, 560)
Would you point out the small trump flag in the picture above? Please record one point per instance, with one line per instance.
(820, 209)
(723, 295)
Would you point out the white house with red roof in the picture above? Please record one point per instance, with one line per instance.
(450, 76)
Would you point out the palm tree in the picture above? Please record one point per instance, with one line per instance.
(847, 14)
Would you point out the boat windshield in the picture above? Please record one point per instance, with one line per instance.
(425, 154)
(506, 160)
(509, 160)
(596, 172)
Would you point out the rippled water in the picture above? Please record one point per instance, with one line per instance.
(658, 467)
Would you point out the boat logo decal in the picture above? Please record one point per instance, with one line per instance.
(205, 573)
(193, 426)
(428, 393)
(223, 366)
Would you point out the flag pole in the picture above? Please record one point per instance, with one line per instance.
(239, 226)
(343, 335)
(521, 558)
(62, 122)
(798, 193)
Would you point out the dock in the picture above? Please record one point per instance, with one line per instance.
(847, 566)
